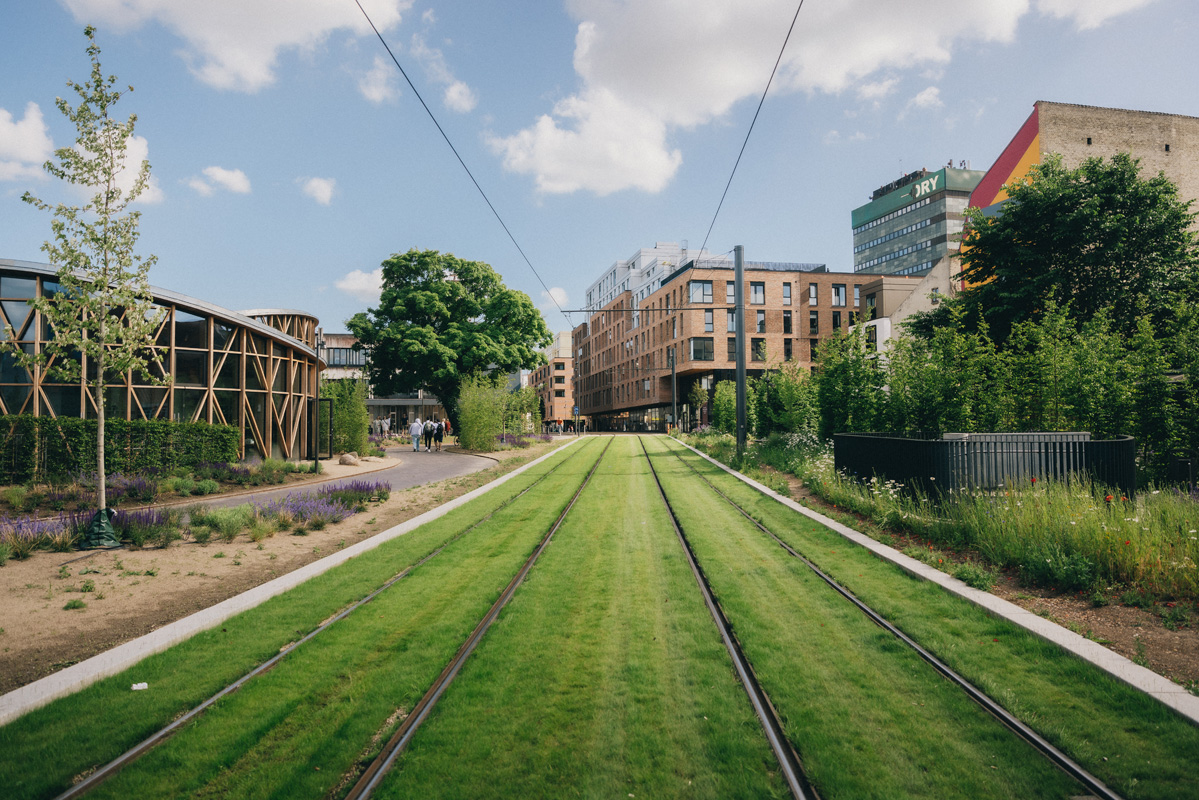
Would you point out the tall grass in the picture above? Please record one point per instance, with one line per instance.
(1071, 536)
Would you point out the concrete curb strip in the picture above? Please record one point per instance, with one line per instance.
(72, 679)
(1114, 664)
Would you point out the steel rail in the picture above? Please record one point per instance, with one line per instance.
(375, 772)
(1009, 720)
(788, 759)
(141, 748)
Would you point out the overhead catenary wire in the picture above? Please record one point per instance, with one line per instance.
(457, 155)
(751, 126)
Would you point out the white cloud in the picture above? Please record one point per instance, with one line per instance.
(319, 189)
(428, 17)
(137, 150)
(1089, 14)
(877, 90)
(928, 98)
(832, 137)
(379, 84)
(460, 97)
(366, 286)
(231, 180)
(201, 186)
(637, 86)
(554, 299)
(605, 146)
(24, 144)
(235, 44)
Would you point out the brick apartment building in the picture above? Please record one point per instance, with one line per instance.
(554, 384)
(622, 375)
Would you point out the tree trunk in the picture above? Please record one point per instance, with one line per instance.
(101, 478)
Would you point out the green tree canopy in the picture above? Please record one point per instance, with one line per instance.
(442, 319)
(1099, 236)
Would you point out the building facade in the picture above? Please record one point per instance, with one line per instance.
(1165, 143)
(912, 222)
(554, 384)
(256, 371)
(624, 351)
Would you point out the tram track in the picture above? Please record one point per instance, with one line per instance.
(378, 768)
(1054, 755)
(106, 771)
(789, 762)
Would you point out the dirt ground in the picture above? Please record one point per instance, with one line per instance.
(133, 592)
(128, 593)
(1134, 633)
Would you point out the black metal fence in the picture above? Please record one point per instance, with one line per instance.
(987, 460)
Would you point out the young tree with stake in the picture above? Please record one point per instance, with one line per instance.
(102, 309)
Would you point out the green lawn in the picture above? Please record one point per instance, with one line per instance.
(604, 677)
(330, 674)
(1133, 743)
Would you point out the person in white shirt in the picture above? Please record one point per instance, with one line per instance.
(415, 431)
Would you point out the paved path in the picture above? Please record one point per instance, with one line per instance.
(414, 469)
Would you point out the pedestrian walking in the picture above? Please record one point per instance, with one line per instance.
(429, 426)
(448, 432)
(438, 435)
(386, 427)
(415, 431)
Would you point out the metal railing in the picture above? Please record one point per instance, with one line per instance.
(987, 460)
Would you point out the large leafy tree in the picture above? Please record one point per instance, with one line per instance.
(102, 309)
(1098, 236)
(441, 320)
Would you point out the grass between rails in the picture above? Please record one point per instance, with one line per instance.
(1130, 741)
(843, 686)
(604, 677)
(183, 676)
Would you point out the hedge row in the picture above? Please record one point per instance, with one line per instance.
(43, 448)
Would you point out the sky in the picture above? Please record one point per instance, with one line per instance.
(290, 157)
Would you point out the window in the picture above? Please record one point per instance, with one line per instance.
(708, 320)
(559, 393)
(786, 349)
(812, 349)
(853, 318)
(758, 349)
(701, 348)
(732, 320)
(786, 294)
(730, 292)
(872, 338)
(732, 354)
(559, 379)
(838, 294)
(757, 293)
(857, 294)
(811, 294)
(836, 320)
(761, 328)
(674, 322)
(786, 322)
(813, 322)
(559, 366)
(871, 309)
(701, 291)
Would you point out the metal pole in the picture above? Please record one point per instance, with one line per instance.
(739, 301)
(674, 392)
(316, 427)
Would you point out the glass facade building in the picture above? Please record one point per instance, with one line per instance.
(912, 222)
(256, 371)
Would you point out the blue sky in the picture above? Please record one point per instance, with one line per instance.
(289, 158)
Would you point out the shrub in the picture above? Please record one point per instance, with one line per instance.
(74, 604)
(5, 552)
(207, 486)
(201, 535)
(138, 527)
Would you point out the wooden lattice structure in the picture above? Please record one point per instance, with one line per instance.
(258, 374)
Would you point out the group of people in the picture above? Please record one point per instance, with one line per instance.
(432, 432)
(381, 426)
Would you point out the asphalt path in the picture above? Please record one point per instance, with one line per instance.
(414, 469)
